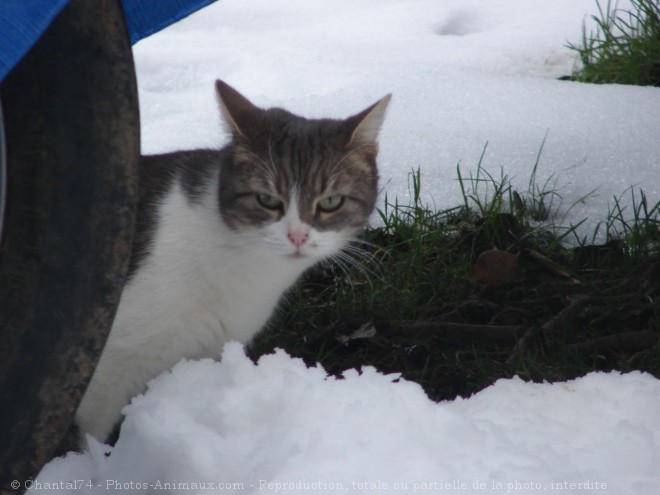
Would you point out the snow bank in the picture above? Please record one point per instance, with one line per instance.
(462, 72)
(279, 427)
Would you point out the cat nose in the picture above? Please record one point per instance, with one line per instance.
(298, 237)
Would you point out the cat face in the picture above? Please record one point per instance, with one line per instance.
(304, 186)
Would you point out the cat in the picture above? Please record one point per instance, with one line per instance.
(222, 234)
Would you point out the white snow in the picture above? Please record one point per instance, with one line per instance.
(282, 428)
(463, 73)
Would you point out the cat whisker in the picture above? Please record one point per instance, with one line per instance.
(344, 263)
(358, 240)
(363, 261)
(348, 264)
(372, 258)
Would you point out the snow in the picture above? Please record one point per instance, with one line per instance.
(278, 427)
(462, 73)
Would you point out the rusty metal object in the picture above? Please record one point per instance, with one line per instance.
(72, 136)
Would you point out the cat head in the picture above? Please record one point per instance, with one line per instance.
(305, 186)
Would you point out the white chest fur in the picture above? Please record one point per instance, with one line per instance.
(201, 286)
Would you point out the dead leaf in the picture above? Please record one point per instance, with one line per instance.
(494, 268)
(364, 331)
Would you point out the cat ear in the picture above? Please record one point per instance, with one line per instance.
(368, 122)
(239, 113)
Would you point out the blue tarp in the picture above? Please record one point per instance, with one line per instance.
(22, 22)
(146, 17)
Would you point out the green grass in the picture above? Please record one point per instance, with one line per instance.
(401, 298)
(624, 48)
(638, 225)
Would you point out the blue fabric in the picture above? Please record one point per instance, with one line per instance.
(22, 22)
(146, 17)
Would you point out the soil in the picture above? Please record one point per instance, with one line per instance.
(540, 323)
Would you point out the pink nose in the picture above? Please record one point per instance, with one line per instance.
(298, 238)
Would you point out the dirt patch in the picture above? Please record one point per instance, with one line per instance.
(554, 320)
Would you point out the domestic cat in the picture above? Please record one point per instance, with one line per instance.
(222, 234)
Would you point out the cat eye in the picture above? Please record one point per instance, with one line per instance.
(331, 203)
(269, 201)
